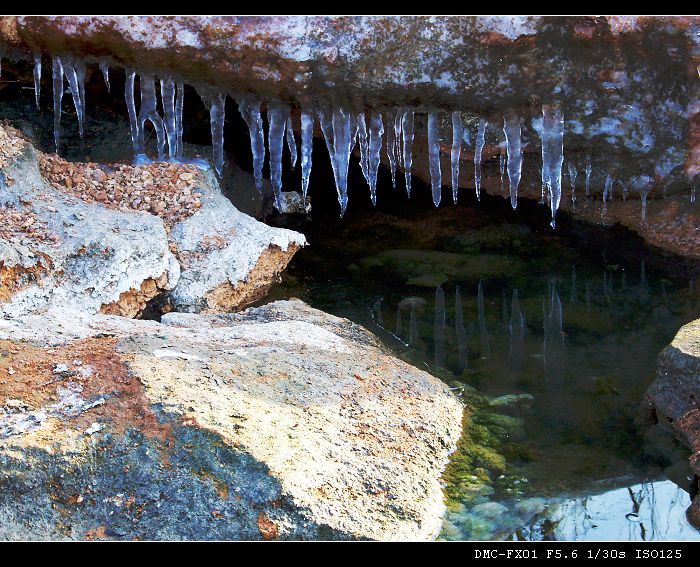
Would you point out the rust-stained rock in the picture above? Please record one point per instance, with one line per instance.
(132, 302)
(280, 422)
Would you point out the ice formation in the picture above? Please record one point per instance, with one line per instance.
(167, 95)
(57, 75)
(480, 141)
(37, 78)
(148, 112)
(434, 157)
(376, 130)
(589, 170)
(291, 141)
(250, 111)
(277, 120)
(391, 145)
(104, 67)
(511, 129)
(407, 130)
(572, 180)
(307, 146)
(552, 154)
(338, 131)
(216, 103)
(456, 152)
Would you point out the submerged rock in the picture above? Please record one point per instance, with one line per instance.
(281, 422)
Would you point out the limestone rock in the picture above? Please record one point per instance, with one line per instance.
(279, 422)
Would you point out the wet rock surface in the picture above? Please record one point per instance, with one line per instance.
(675, 395)
(280, 422)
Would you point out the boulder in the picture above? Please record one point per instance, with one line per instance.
(280, 422)
(675, 395)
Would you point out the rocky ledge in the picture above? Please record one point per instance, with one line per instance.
(109, 238)
(278, 422)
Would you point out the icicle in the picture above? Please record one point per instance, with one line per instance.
(467, 137)
(642, 184)
(57, 74)
(480, 141)
(692, 194)
(624, 191)
(276, 118)
(511, 129)
(307, 146)
(376, 129)
(456, 151)
(589, 170)
(339, 134)
(434, 157)
(104, 67)
(179, 109)
(553, 154)
(407, 130)
(572, 179)
(167, 95)
(133, 117)
(74, 86)
(149, 111)
(37, 78)
(216, 104)
(391, 145)
(80, 71)
(502, 167)
(291, 142)
(607, 192)
(397, 136)
(361, 138)
(250, 111)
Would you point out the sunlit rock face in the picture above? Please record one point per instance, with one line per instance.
(616, 98)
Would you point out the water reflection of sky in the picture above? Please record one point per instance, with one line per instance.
(653, 511)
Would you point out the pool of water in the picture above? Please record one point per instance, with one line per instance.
(557, 330)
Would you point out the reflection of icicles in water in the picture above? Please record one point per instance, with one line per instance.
(456, 152)
(434, 157)
(483, 331)
(250, 111)
(552, 154)
(57, 73)
(37, 78)
(478, 149)
(460, 331)
(511, 129)
(554, 363)
(439, 327)
(517, 333)
(407, 130)
(277, 118)
(307, 146)
(376, 130)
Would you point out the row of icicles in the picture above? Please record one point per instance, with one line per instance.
(342, 131)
